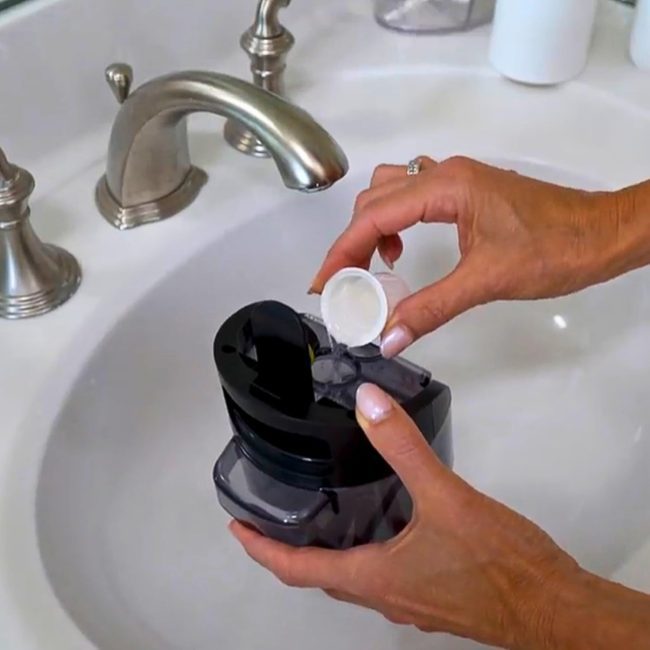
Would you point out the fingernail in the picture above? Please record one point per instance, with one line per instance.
(395, 341)
(373, 403)
(315, 287)
(386, 260)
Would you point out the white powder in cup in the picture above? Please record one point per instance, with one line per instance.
(355, 309)
(356, 304)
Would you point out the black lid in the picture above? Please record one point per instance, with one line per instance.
(292, 424)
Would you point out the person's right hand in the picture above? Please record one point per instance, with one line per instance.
(519, 238)
(465, 564)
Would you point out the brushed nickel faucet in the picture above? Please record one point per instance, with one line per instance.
(267, 43)
(35, 278)
(149, 175)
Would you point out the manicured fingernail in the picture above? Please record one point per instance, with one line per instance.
(373, 403)
(395, 341)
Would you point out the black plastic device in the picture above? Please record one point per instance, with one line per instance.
(298, 467)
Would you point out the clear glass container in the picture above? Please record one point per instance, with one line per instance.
(433, 16)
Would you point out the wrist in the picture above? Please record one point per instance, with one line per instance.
(582, 611)
(540, 611)
(624, 216)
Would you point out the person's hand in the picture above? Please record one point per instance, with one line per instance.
(519, 238)
(465, 564)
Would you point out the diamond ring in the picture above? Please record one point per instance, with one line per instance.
(414, 167)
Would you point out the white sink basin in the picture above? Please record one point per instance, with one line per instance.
(108, 474)
(549, 403)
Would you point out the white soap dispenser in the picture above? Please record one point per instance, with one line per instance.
(640, 41)
(542, 41)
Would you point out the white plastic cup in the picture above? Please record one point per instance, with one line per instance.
(640, 40)
(356, 304)
(542, 42)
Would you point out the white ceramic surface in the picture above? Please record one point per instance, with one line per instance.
(110, 532)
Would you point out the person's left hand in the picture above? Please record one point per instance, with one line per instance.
(465, 564)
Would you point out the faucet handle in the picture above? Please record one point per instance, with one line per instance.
(16, 186)
(267, 43)
(267, 23)
(34, 277)
(119, 77)
(7, 172)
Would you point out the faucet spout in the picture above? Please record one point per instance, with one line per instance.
(149, 175)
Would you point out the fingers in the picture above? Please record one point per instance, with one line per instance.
(390, 249)
(375, 602)
(435, 305)
(428, 198)
(385, 179)
(345, 597)
(375, 192)
(397, 438)
(298, 567)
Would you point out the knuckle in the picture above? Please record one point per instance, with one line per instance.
(285, 572)
(397, 618)
(402, 447)
(335, 594)
(427, 627)
(422, 316)
(425, 161)
(459, 165)
(288, 578)
(380, 173)
(432, 314)
(362, 200)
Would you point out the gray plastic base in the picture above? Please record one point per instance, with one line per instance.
(339, 518)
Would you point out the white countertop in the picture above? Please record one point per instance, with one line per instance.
(338, 42)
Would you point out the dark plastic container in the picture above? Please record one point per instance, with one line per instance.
(299, 468)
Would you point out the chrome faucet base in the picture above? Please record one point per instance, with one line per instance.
(125, 218)
(64, 278)
(240, 138)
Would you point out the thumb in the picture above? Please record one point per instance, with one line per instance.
(433, 306)
(397, 438)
